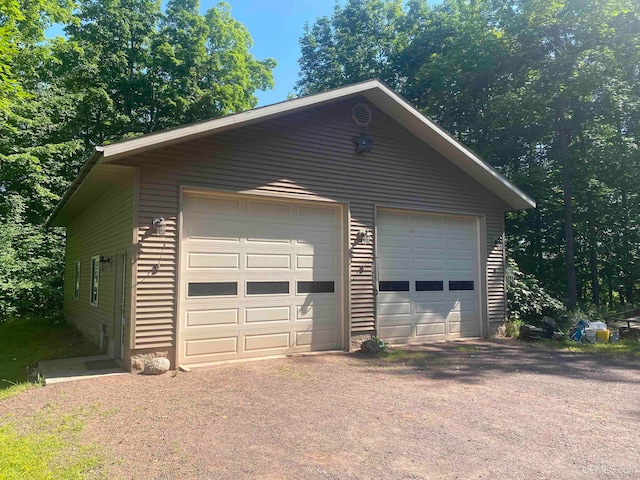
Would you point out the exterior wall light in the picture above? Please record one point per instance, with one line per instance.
(103, 261)
(159, 226)
(365, 237)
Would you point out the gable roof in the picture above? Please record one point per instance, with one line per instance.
(375, 91)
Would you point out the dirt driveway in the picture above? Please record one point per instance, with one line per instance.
(486, 410)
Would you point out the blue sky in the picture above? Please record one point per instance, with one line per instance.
(276, 26)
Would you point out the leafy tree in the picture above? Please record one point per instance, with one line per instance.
(126, 68)
(574, 74)
(232, 75)
(32, 157)
(201, 66)
(104, 60)
(22, 27)
(359, 42)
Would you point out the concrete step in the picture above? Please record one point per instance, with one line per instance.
(78, 368)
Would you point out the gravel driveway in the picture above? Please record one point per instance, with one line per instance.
(491, 410)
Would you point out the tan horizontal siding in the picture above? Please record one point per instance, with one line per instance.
(309, 155)
(104, 228)
(156, 289)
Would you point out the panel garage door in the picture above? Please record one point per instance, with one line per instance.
(428, 276)
(258, 278)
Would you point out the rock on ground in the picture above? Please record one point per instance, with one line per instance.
(370, 346)
(156, 366)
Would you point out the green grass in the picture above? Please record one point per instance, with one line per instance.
(23, 343)
(43, 456)
(14, 389)
(467, 349)
(47, 446)
(623, 347)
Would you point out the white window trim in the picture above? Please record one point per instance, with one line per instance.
(94, 281)
(76, 281)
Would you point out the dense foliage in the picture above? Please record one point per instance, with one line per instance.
(548, 92)
(125, 67)
(527, 299)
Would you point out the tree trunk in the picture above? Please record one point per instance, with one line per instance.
(129, 92)
(621, 297)
(563, 137)
(537, 245)
(628, 252)
(610, 285)
(593, 251)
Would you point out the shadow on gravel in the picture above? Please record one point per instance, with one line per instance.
(470, 361)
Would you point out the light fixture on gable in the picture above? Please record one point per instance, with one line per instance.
(363, 143)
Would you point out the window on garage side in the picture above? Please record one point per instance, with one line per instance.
(95, 280)
(76, 281)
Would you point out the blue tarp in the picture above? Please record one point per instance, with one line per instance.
(578, 335)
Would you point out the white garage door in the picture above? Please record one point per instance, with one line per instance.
(258, 278)
(428, 278)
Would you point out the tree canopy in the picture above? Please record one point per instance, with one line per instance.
(124, 68)
(548, 92)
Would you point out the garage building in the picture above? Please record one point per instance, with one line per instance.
(306, 225)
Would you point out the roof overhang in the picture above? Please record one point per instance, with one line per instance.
(374, 90)
(96, 182)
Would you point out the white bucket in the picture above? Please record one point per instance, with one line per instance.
(589, 335)
(597, 325)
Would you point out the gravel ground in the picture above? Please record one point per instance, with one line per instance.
(486, 410)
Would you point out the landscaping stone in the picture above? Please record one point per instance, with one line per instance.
(370, 346)
(139, 360)
(156, 366)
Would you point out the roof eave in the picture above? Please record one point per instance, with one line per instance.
(98, 152)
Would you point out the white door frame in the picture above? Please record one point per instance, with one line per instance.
(120, 303)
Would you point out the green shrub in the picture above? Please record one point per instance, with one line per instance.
(527, 299)
(512, 327)
(381, 343)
